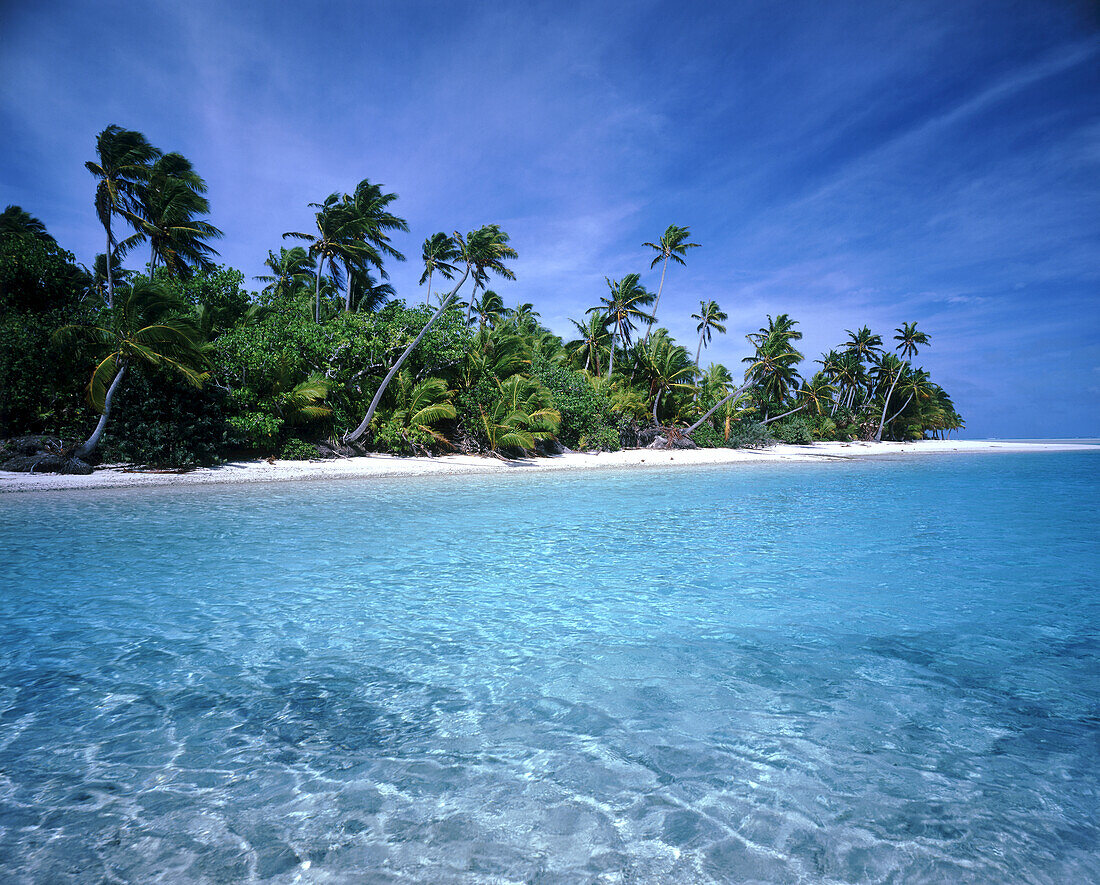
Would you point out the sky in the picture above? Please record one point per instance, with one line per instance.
(847, 163)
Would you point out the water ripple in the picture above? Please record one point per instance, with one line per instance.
(798, 673)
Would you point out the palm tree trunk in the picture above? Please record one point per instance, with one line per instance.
(656, 402)
(657, 300)
(587, 359)
(899, 411)
(347, 295)
(699, 351)
(110, 276)
(365, 423)
(611, 364)
(882, 420)
(785, 414)
(470, 306)
(719, 405)
(428, 297)
(317, 291)
(92, 441)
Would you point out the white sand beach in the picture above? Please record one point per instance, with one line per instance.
(376, 466)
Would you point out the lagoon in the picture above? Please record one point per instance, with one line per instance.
(867, 671)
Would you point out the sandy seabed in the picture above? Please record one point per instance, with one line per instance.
(375, 466)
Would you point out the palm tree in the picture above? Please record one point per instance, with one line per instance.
(593, 340)
(164, 211)
(422, 405)
(672, 244)
(486, 251)
(666, 366)
(523, 414)
(909, 339)
(152, 328)
(368, 205)
(291, 269)
(439, 254)
(495, 353)
(622, 308)
(98, 275)
(830, 371)
(918, 385)
(866, 346)
(782, 327)
(774, 366)
(16, 222)
(490, 308)
(124, 159)
(364, 292)
(302, 402)
(338, 239)
(817, 393)
(524, 315)
(710, 319)
(480, 250)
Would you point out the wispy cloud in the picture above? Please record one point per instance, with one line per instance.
(930, 163)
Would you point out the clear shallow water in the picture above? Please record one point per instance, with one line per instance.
(874, 672)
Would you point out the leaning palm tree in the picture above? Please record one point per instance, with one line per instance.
(918, 385)
(909, 339)
(165, 213)
(151, 328)
(439, 254)
(673, 244)
(710, 319)
(480, 250)
(123, 162)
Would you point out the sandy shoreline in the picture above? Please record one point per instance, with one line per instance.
(374, 466)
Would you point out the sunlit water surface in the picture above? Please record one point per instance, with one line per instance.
(875, 672)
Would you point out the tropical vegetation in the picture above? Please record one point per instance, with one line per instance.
(179, 360)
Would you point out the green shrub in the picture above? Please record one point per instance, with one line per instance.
(394, 438)
(824, 427)
(161, 421)
(604, 439)
(586, 417)
(795, 430)
(295, 449)
(749, 435)
(706, 437)
(257, 431)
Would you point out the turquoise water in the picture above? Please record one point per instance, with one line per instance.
(883, 671)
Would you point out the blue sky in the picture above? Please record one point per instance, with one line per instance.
(846, 163)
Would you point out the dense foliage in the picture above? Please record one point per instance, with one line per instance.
(192, 367)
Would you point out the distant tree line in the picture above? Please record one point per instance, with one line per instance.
(179, 363)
